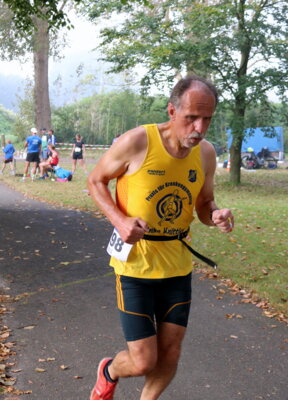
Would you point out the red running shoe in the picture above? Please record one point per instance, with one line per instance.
(103, 389)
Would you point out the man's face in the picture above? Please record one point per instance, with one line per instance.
(190, 121)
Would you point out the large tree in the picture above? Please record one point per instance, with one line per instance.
(19, 39)
(240, 44)
(31, 26)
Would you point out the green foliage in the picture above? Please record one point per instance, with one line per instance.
(241, 45)
(7, 119)
(281, 119)
(102, 117)
(182, 37)
(51, 11)
(11, 45)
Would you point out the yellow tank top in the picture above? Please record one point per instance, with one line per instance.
(162, 192)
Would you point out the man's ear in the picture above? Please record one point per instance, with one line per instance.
(171, 111)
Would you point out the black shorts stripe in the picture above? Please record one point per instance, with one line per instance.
(175, 305)
(120, 300)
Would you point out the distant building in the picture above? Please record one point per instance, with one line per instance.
(257, 140)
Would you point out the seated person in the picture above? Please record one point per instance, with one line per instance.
(264, 153)
(52, 161)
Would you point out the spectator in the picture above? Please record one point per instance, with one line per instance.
(52, 161)
(51, 137)
(44, 144)
(78, 153)
(8, 151)
(33, 145)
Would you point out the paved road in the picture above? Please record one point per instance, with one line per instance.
(68, 317)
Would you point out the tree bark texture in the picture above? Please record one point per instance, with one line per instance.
(238, 124)
(41, 88)
(238, 133)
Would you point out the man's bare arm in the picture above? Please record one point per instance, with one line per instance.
(206, 208)
(118, 160)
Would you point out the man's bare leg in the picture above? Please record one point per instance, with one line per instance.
(27, 164)
(33, 171)
(138, 360)
(156, 358)
(82, 163)
(74, 163)
(169, 339)
(43, 167)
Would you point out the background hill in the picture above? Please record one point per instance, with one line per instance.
(77, 76)
(10, 85)
(7, 119)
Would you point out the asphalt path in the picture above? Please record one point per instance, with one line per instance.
(66, 320)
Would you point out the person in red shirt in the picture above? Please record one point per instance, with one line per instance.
(52, 161)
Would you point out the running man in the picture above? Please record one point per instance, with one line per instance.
(163, 171)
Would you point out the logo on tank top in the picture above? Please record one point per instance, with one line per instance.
(192, 176)
(159, 172)
(170, 207)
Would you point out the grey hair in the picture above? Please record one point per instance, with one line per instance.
(189, 82)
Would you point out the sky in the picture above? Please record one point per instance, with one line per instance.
(79, 51)
(81, 40)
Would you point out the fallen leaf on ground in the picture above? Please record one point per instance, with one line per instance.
(40, 370)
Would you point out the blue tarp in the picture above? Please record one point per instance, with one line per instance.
(258, 140)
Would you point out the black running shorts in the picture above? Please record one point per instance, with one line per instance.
(77, 156)
(33, 157)
(145, 303)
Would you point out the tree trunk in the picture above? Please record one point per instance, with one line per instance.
(235, 160)
(41, 88)
(238, 124)
(238, 132)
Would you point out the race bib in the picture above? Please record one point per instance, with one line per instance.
(117, 248)
(77, 149)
